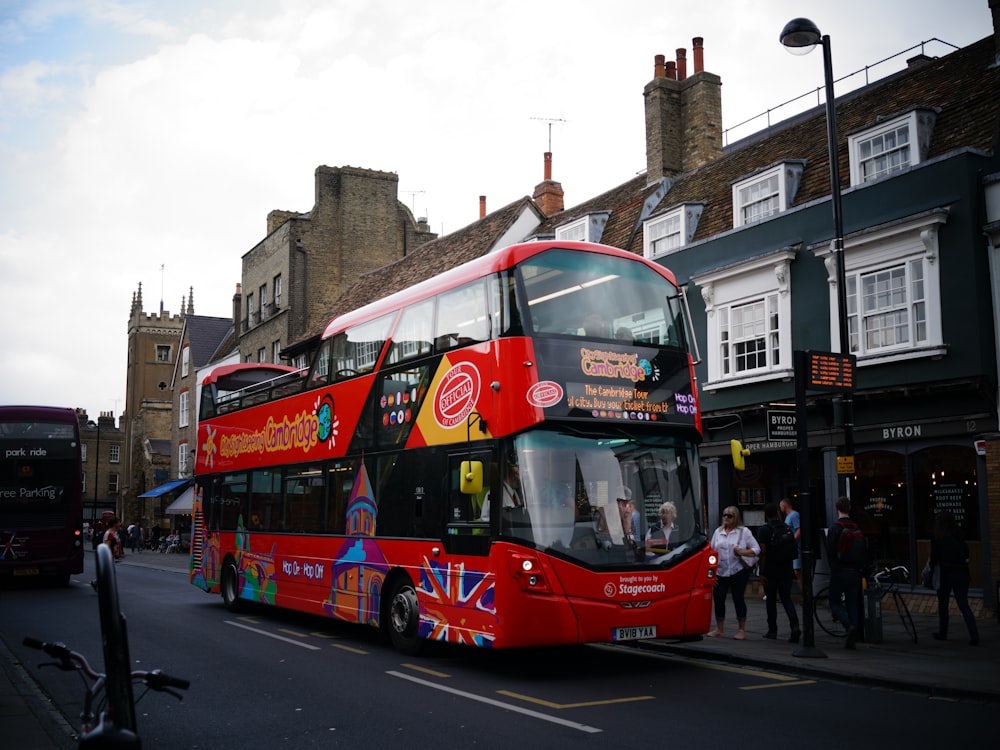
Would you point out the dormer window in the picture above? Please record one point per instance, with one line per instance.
(588, 228)
(765, 194)
(670, 231)
(891, 146)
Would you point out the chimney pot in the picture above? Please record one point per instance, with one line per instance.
(681, 63)
(659, 66)
(698, 51)
(482, 206)
(548, 166)
(672, 70)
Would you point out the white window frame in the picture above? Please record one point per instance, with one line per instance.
(764, 280)
(671, 231)
(185, 361)
(115, 454)
(575, 231)
(859, 142)
(182, 460)
(183, 408)
(276, 287)
(910, 247)
(785, 177)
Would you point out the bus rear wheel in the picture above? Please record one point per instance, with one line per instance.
(403, 619)
(230, 586)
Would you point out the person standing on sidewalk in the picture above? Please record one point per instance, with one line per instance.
(845, 573)
(950, 552)
(737, 550)
(776, 571)
(793, 519)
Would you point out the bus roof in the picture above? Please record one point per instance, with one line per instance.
(261, 371)
(38, 413)
(485, 265)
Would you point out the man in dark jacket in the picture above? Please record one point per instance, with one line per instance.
(845, 577)
(776, 575)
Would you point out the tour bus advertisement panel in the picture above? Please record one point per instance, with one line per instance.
(606, 381)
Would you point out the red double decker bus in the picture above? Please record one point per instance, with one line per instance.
(41, 492)
(479, 459)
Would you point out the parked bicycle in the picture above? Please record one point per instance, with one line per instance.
(886, 581)
(108, 715)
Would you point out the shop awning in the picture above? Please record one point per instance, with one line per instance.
(182, 505)
(165, 488)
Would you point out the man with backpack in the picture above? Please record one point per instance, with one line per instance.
(845, 551)
(778, 549)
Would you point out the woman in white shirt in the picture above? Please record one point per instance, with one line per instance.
(737, 549)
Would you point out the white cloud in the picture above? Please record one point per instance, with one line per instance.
(141, 134)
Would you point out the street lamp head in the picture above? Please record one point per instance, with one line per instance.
(800, 36)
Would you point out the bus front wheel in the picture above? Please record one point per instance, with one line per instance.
(404, 617)
(231, 586)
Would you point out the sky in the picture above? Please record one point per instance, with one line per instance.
(144, 142)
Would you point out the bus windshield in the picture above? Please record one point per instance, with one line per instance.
(600, 297)
(602, 501)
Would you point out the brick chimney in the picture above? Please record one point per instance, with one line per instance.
(683, 116)
(482, 206)
(238, 306)
(548, 193)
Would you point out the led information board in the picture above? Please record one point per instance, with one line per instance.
(829, 371)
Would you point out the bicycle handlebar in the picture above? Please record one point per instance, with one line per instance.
(69, 660)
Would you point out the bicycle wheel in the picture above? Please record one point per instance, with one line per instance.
(904, 615)
(114, 638)
(824, 615)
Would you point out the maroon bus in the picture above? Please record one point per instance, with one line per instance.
(41, 492)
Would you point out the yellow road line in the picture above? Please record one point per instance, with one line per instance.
(789, 683)
(342, 647)
(293, 632)
(550, 704)
(425, 670)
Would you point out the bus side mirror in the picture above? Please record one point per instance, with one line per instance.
(472, 477)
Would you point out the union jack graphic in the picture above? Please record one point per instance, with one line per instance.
(450, 585)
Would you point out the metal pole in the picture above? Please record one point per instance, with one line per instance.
(838, 239)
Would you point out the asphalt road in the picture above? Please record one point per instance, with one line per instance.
(268, 679)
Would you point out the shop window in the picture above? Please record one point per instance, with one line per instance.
(880, 506)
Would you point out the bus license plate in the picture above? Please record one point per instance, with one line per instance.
(634, 633)
(26, 571)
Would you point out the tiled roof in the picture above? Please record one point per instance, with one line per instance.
(962, 86)
(204, 335)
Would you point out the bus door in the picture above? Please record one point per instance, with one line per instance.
(467, 531)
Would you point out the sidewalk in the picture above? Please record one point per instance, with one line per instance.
(949, 669)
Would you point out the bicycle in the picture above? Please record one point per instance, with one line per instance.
(108, 714)
(884, 581)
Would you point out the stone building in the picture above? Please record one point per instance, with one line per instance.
(307, 260)
(103, 464)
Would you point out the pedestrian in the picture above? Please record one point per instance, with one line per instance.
(113, 538)
(845, 570)
(950, 553)
(135, 537)
(777, 551)
(793, 519)
(737, 550)
(98, 534)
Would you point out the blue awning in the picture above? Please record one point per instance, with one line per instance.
(165, 488)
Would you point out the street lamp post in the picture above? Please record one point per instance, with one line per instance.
(800, 36)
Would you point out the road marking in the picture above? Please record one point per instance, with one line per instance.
(560, 706)
(293, 632)
(273, 635)
(788, 683)
(498, 704)
(351, 649)
(425, 670)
